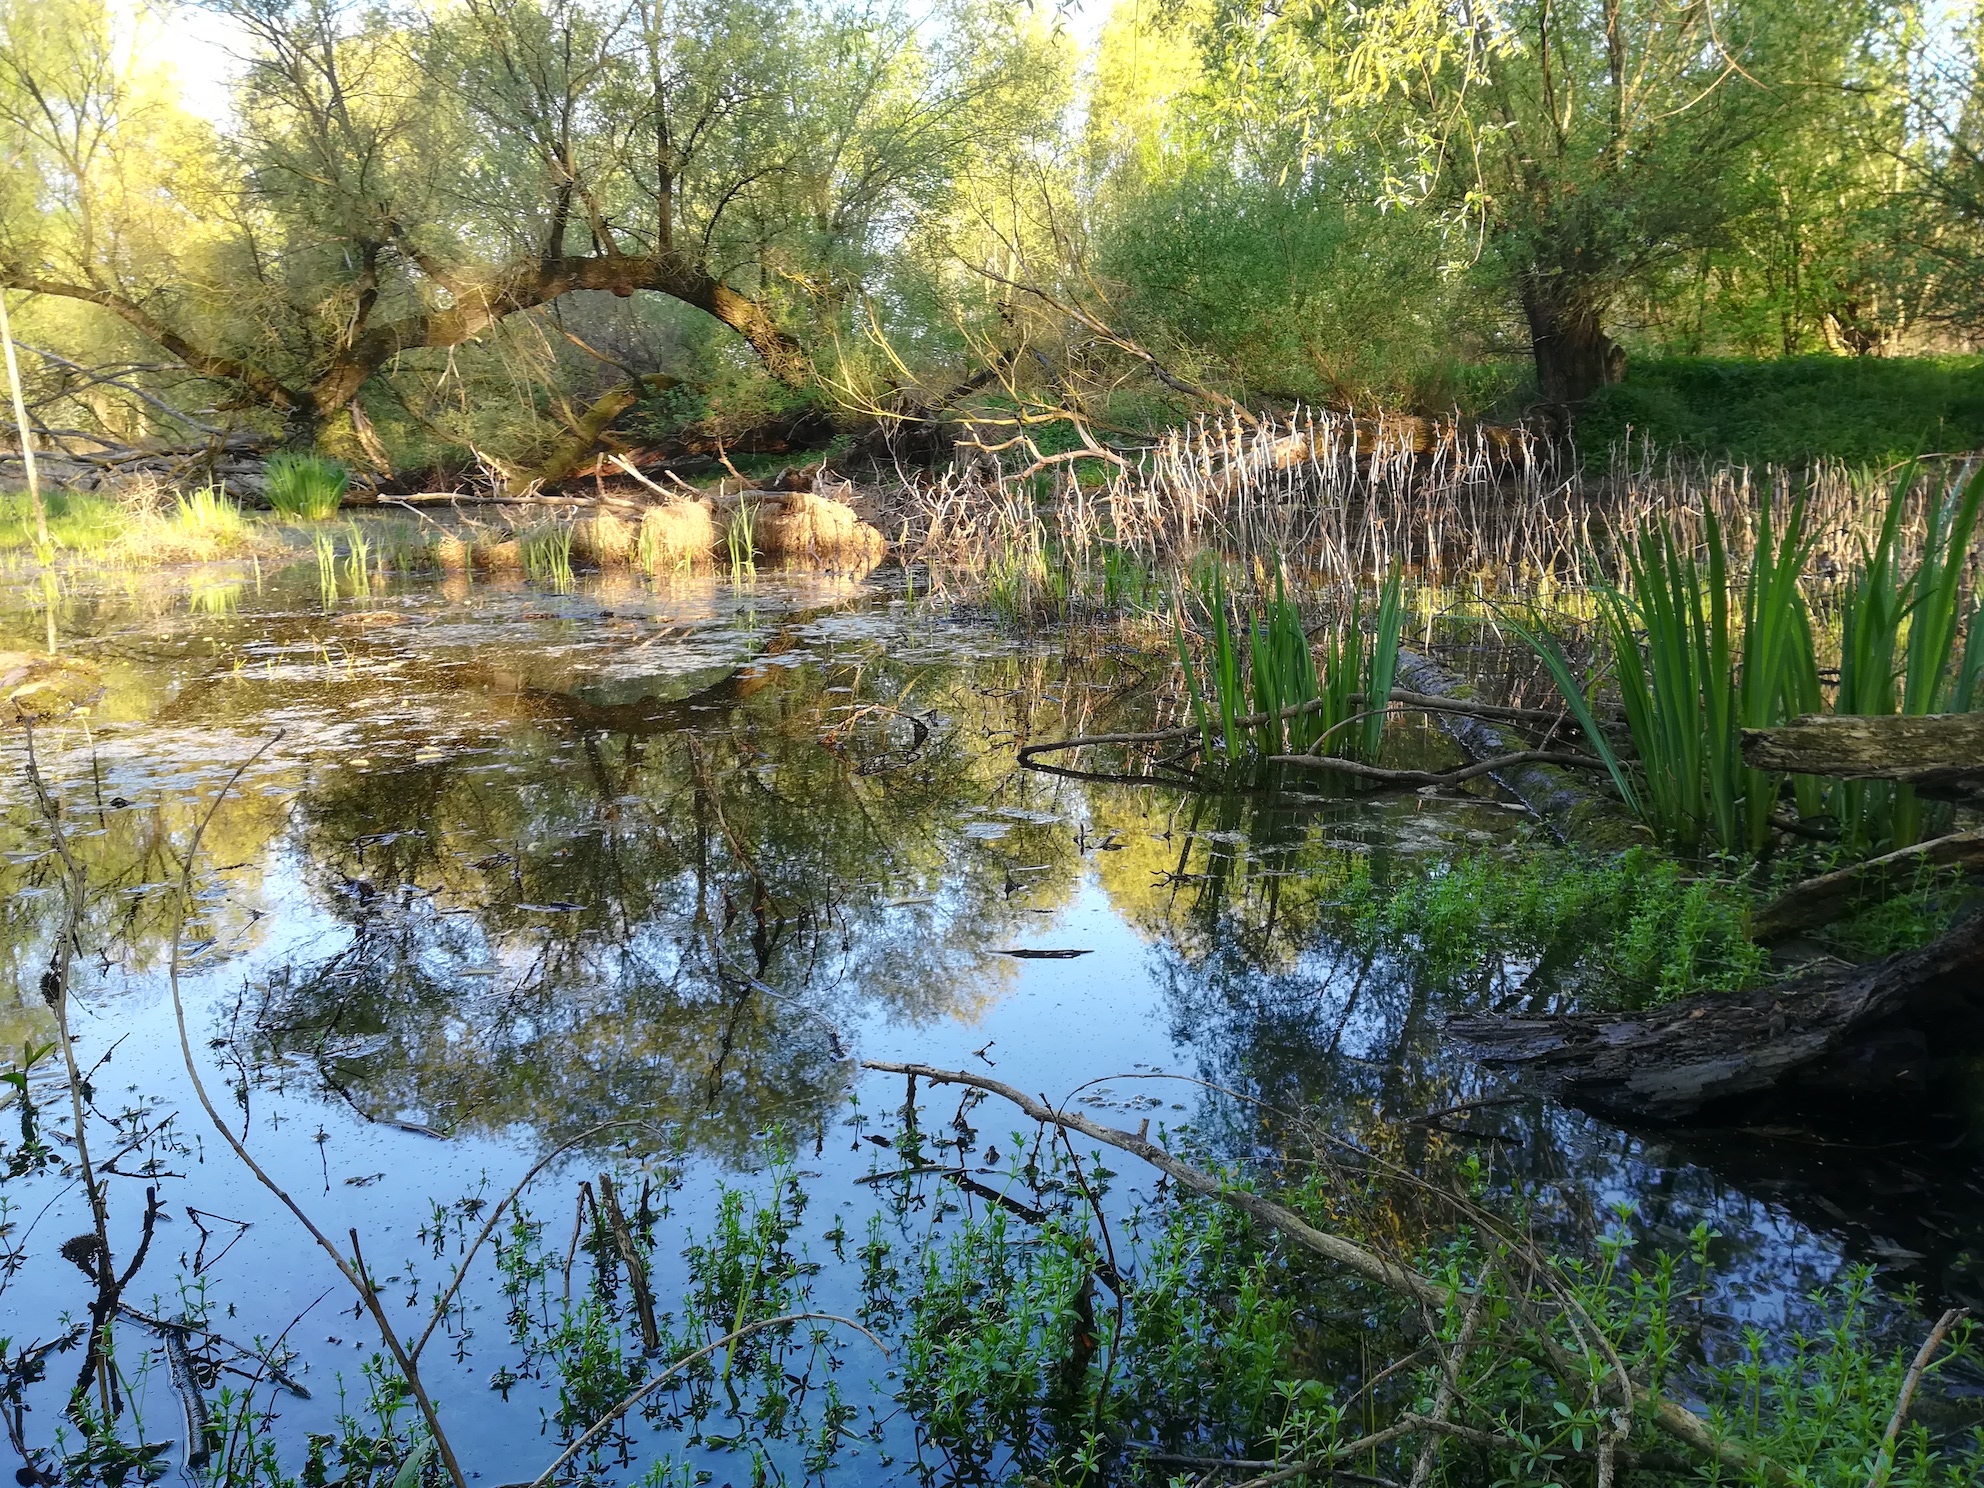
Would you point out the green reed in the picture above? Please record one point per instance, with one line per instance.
(305, 486)
(358, 564)
(1700, 657)
(1302, 695)
(327, 567)
(207, 512)
(1898, 634)
(740, 539)
(546, 551)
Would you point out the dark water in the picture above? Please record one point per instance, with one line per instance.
(658, 863)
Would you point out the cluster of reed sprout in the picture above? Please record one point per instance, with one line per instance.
(1702, 650)
(305, 486)
(1264, 687)
(546, 553)
(1350, 497)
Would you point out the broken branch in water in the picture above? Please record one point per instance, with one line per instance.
(1885, 1463)
(1675, 1420)
(1819, 900)
(1420, 701)
(1438, 777)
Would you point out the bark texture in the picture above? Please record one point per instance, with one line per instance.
(1837, 1035)
(1942, 752)
(1574, 357)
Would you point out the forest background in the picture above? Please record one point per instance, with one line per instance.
(459, 234)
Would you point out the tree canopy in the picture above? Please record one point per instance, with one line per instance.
(460, 227)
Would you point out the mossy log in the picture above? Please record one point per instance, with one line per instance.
(1817, 901)
(1568, 804)
(1938, 753)
(1837, 1035)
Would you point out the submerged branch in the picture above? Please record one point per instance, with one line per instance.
(1675, 1420)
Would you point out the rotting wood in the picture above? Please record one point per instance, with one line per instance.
(1830, 1033)
(1819, 900)
(1675, 1420)
(1936, 751)
(1563, 802)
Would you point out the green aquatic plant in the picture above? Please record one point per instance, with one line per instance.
(1898, 646)
(1698, 657)
(1622, 931)
(740, 541)
(1267, 688)
(305, 486)
(546, 552)
(1696, 660)
(358, 563)
(207, 512)
(78, 522)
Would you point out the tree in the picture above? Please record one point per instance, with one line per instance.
(402, 184)
(1575, 145)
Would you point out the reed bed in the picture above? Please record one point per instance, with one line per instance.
(1347, 498)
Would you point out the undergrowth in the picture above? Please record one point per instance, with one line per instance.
(1623, 931)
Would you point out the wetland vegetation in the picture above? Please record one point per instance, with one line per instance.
(782, 743)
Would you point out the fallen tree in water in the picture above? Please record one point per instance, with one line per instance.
(1834, 1033)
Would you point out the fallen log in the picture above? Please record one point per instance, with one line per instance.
(1940, 753)
(1877, 1031)
(1820, 900)
(1569, 806)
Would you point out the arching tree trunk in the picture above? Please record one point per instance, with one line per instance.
(1574, 356)
(476, 300)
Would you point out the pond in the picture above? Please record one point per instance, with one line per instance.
(632, 876)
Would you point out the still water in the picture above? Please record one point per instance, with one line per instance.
(641, 871)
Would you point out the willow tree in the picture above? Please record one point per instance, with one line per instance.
(400, 183)
(1571, 145)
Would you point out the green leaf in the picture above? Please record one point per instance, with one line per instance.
(409, 1474)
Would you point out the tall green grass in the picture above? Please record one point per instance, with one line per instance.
(208, 512)
(1898, 648)
(1299, 695)
(304, 486)
(1698, 657)
(78, 522)
(547, 554)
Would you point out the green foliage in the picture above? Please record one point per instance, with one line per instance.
(1698, 658)
(304, 486)
(1697, 662)
(77, 521)
(1625, 931)
(1289, 292)
(1307, 696)
(1021, 1362)
(546, 551)
(208, 513)
(1875, 410)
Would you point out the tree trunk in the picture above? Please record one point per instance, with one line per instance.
(1574, 356)
(1840, 1038)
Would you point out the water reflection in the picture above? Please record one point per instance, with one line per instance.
(522, 863)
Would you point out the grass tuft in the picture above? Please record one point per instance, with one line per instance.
(306, 487)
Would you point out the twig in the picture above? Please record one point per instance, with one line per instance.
(489, 1225)
(1439, 777)
(1885, 1463)
(599, 1427)
(637, 1266)
(349, 1268)
(1671, 1417)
